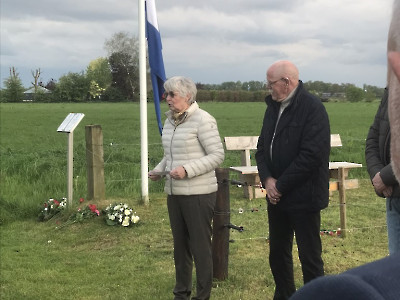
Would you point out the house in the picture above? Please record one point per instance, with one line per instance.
(29, 94)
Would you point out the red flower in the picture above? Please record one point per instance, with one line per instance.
(92, 207)
(56, 202)
(81, 200)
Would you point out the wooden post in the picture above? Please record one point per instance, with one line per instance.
(342, 200)
(95, 162)
(70, 167)
(245, 161)
(220, 242)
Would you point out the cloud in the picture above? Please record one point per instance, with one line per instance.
(210, 41)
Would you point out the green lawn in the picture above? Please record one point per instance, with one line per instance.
(90, 260)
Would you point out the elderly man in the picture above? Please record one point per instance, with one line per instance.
(293, 162)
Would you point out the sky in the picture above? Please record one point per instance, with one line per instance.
(210, 41)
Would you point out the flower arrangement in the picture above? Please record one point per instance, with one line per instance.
(120, 214)
(51, 208)
(87, 212)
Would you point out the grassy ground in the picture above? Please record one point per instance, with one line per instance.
(33, 154)
(91, 260)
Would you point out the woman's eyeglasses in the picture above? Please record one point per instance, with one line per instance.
(166, 94)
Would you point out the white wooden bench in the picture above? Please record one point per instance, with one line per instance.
(249, 173)
(251, 181)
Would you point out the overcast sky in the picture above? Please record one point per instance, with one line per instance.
(211, 41)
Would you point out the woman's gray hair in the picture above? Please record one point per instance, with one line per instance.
(183, 86)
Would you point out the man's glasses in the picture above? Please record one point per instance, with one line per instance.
(269, 84)
(166, 94)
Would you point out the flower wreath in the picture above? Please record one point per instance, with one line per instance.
(120, 214)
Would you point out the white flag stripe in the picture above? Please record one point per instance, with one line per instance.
(151, 13)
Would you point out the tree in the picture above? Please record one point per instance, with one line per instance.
(72, 87)
(253, 86)
(36, 76)
(98, 73)
(231, 85)
(124, 76)
(14, 90)
(123, 57)
(354, 94)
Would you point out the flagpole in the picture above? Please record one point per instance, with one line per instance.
(143, 103)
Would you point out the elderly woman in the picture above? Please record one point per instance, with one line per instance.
(192, 151)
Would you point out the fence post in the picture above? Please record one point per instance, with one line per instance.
(220, 241)
(342, 200)
(95, 162)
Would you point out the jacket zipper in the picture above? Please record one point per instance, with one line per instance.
(170, 167)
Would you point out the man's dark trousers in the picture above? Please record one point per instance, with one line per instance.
(306, 227)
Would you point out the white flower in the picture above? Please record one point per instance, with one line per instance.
(122, 214)
(126, 221)
(135, 219)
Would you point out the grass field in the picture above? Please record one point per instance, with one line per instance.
(33, 164)
(90, 260)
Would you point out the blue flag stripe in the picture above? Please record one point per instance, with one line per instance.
(157, 71)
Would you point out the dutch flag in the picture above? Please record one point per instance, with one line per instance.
(157, 71)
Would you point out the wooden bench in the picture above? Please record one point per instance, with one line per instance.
(251, 181)
(249, 173)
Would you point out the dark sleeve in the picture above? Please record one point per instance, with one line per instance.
(372, 156)
(388, 176)
(314, 149)
(376, 280)
(260, 155)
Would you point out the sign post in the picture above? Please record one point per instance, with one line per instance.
(68, 126)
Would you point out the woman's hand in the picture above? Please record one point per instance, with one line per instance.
(178, 173)
(154, 176)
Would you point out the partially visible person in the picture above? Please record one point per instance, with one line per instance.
(378, 280)
(192, 150)
(377, 156)
(293, 163)
(393, 54)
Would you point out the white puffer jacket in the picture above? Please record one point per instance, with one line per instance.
(195, 144)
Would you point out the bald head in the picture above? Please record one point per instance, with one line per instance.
(282, 79)
(284, 69)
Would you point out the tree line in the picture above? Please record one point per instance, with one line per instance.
(115, 78)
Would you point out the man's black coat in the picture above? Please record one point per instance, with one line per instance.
(300, 151)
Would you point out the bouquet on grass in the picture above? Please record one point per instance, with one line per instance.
(52, 207)
(88, 212)
(120, 214)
